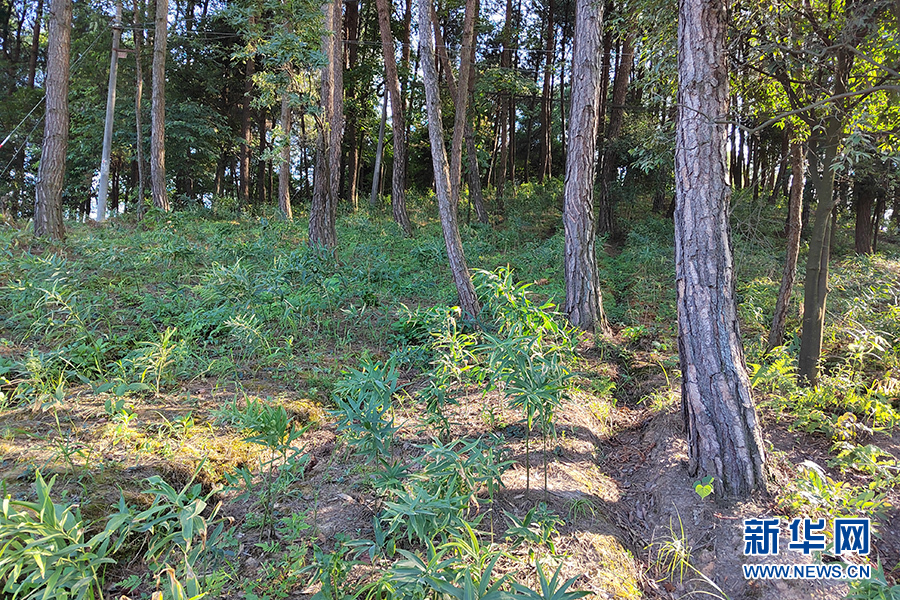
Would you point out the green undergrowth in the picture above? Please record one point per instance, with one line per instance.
(224, 344)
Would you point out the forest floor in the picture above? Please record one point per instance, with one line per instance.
(96, 395)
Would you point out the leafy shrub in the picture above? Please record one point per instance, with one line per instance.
(43, 550)
(816, 494)
(364, 411)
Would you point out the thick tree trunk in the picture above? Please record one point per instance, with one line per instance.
(138, 110)
(323, 212)
(864, 189)
(158, 110)
(583, 300)
(468, 301)
(51, 173)
(606, 221)
(398, 119)
(724, 438)
(284, 169)
(798, 182)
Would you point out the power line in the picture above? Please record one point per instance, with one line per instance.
(44, 97)
(25, 141)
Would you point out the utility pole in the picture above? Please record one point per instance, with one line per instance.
(138, 92)
(110, 115)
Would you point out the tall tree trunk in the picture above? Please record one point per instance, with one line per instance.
(35, 43)
(584, 306)
(246, 134)
(895, 205)
(864, 190)
(461, 97)
(219, 179)
(562, 101)
(398, 119)
(815, 289)
(468, 301)
(327, 178)
(780, 182)
(878, 217)
(103, 186)
(605, 65)
(476, 195)
(798, 182)
(724, 438)
(352, 19)
(51, 173)
(116, 180)
(503, 107)
(405, 52)
(546, 97)
(284, 169)
(158, 110)
(138, 111)
(606, 220)
(337, 107)
(262, 127)
(379, 153)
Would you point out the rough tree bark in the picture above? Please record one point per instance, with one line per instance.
(798, 182)
(398, 119)
(468, 301)
(158, 110)
(583, 300)
(330, 126)
(723, 435)
(51, 173)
